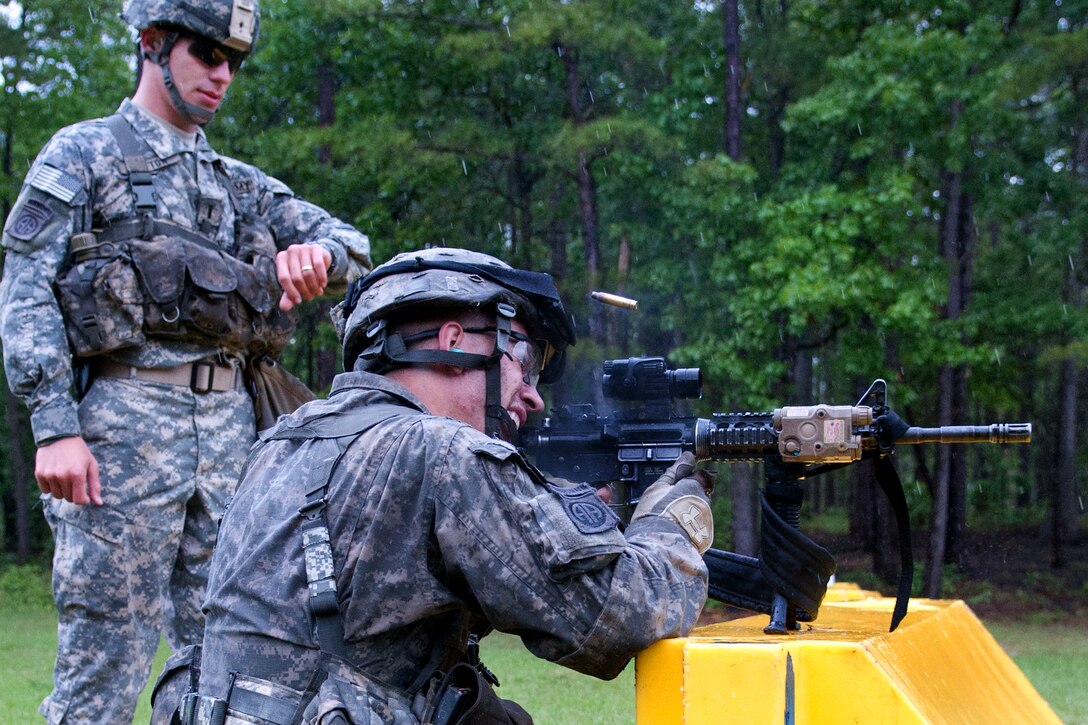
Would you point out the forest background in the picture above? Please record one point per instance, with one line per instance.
(803, 196)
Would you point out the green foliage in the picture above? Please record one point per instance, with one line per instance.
(585, 138)
(24, 587)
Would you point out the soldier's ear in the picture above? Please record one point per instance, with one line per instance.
(450, 336)
(152, 39)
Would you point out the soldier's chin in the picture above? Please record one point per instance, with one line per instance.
(508, 428)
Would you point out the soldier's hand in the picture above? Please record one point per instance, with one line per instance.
(682, 494)
(302, 270)
(67, 469)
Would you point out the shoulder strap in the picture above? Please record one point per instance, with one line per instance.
(134, 154)
(339, 424)
(334, 432)
(143, 225)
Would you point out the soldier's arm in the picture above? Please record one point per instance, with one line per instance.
(51, 207)
(37, 359)
(553, 567)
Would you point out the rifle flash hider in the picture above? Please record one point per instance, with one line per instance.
(821, 433)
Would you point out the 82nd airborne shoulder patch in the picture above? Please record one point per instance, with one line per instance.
(30, 219)
(585, 508)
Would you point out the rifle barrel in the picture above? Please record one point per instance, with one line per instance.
(993, 433)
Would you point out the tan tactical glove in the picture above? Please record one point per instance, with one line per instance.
(682, 494)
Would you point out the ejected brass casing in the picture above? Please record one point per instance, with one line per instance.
(615, 300)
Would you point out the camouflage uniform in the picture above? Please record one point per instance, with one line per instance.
(433, 526)
(168, 457)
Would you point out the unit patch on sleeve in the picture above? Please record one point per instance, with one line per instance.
(30, 220)
(56, 183)
(585, 508)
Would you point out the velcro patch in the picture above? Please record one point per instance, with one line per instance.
(694, 516)
(32, 217)
(56, 183)
(585, 508)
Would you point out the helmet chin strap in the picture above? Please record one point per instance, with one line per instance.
(388, 351)
(497, 422)
(189, 111)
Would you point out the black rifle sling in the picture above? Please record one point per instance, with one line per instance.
(736, 579)
(740, 581)
(791, 564)
(888, 480)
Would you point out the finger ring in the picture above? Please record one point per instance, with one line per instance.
(307, 268)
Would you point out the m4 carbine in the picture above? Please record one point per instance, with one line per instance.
(631, 448)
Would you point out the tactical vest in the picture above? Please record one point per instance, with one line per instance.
(141, 277)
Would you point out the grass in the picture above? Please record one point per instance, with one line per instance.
(1053, 656)
(28, 641)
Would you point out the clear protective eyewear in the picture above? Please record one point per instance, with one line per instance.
(526, 352)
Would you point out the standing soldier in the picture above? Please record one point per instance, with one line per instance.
(142, 270)
(375, 534)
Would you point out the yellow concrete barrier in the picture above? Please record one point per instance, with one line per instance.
(940, 666)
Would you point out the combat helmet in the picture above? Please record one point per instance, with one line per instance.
(234, 24)
(426, 280)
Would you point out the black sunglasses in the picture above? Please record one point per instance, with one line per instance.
(213, 54)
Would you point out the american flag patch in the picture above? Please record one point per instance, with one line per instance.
(56, 183)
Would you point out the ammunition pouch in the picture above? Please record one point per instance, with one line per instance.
(178, 286)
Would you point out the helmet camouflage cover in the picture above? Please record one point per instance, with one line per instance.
(431, 279)
(234, 23)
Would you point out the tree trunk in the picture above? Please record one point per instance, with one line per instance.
(957, 474)
(733, 115)
(21, 475)
(863, 507)
(323, 363)
(619, 329)
(587, 193)
(326, 104)
(1063, 509)
(957, 246)
(885, 546)
(556, 234)
(938, 532)
(776, 136)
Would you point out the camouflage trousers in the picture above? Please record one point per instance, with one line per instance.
(137, 565)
